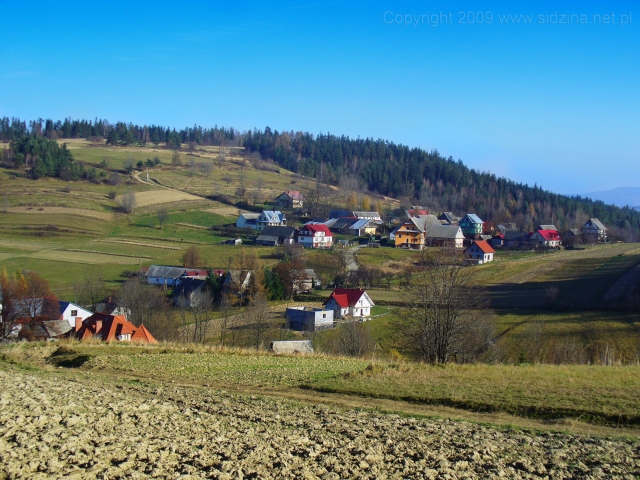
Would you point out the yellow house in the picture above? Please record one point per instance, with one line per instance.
(412, 232)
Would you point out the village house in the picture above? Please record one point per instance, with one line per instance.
(353, 302)
(546, 238)
(274, 236)
(471, 225)
(290, 199)
(236, 282)
(342, 225)
(189, 292)
(515, 239)
(548, 227)
(247, 220)
(315, 236)
(363, 227)
(595, 228)
(307, 319)
(412, 233)
(572, 237)
(50, 330)
(70, 311)
(270, 218)
(448, 218)
(479, 252)
(109, 328)
(444, 236)
(164, 275)
(304, 281)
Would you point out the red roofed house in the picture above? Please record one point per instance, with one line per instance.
(546, 238)
(315, 236)
(479, 252)
(353, 302)
(111, 328)
(289, 199)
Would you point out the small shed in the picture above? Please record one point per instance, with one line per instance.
(292, 347)
(307, 319)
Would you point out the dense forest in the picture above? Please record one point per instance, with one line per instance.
(379, 166)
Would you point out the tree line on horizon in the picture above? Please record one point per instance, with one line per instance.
(413, 175)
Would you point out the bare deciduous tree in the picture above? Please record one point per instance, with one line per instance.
(90, 291)
(141, 301)
(127, 202)
(258, 319)
(449, 317)
(354, 338)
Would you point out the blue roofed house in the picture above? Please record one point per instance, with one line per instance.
(270, 218)
(471, 225)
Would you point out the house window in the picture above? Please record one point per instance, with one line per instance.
(74, 313)
(324, 315)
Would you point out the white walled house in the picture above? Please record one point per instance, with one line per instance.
(70, 311)
(163, 275)
(353, 302)
(479, 252)
(248, 220)
(270, 218)
(315, 236)
(595, 227)
(546, 238)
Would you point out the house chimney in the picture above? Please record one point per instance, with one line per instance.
(98, 326)
(78, 324)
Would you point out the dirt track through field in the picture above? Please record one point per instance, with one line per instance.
(61, 424)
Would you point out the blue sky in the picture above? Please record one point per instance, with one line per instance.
(547, 102)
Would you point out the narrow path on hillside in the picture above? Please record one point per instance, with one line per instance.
(350, 256)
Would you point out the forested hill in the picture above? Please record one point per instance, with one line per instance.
(395, 170)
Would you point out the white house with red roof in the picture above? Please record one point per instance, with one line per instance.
(479, 252)
(546, 238)
(353, 302)
(315, 236)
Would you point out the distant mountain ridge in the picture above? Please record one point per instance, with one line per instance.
(621, 196)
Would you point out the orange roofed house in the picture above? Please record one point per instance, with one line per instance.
(479, 252)
(110, 328)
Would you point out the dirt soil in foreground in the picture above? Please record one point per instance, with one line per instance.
(58, 425)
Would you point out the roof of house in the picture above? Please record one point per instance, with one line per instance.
(55, 328)
(162, 271)
(278, 231)
(111, 327)
(294, 194)
(267, 238)
(443, 231)
(196, 272)
(597, 223)
(367, 214)
(142, 335)
(414, 212)
(448, 216)
(548, 227)
(65, 305)
(424, 221)
(515, 235)
(483, 245)
(272, 216)
(473, 218)
(343, 223)
(346, 297)
(188, 286)
(310, 273)
(573, 231)
(362, 223)
(549, 235)
(319, 228)
(340, 213)
(250, 216)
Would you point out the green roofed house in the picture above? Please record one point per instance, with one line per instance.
(471, 225)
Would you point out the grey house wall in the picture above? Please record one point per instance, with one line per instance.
(309, 319)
